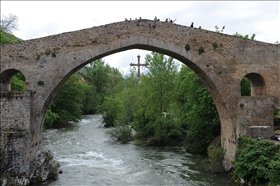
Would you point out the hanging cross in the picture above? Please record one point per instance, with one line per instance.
(138, 65)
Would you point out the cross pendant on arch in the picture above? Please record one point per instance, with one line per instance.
(138, 65)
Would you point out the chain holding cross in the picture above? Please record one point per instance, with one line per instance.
(138, 65)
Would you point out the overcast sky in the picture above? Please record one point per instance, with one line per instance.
(42, 18)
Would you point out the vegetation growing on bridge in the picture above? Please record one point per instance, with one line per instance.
(200, 50)
(215, 45)
(40, 83)
(187, 47)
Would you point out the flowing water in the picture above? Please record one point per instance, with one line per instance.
(89, 157)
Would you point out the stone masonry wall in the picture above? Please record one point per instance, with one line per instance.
(255, 116)
(15, 131)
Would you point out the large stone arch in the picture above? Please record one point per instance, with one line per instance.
(211, 81)
(49, 61)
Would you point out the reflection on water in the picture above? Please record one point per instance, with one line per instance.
(88, 157)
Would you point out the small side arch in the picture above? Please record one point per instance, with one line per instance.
(257, 84)
(6, 77)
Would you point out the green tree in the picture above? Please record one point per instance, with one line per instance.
(130, 96)
(115, 82)
(97, 73)
(113, 111)
(245, 87)
(67, 104)
(120, 110)
(198, 115)
(90, 100)
(51, 117)
(157, 96)
(18, 82)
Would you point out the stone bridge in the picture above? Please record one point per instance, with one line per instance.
(48, 62)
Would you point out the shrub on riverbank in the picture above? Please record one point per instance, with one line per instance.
(257, 162)
(215, 157)
(121, 133)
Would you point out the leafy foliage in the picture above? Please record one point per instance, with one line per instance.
(105, 79)
(51, 117)
(199, 115)
(245, 87)
(218, 30)
(90, 101)
(216, 155)
(113, 111)
(200, 50)
(6, 38)
(257, 161)
(156, 90)
(187, 47)
(18, 82)
(130, 96)
(87, 90)
(67, 105)
(245, 37)
(215, 45)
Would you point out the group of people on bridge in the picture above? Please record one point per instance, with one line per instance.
(167, 20)
(155, 19)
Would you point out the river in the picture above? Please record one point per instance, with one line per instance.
(89, 157)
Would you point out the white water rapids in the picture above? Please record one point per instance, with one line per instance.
(89, 157)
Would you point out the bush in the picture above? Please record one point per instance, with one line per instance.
(257, 162)
(113, 111)
(120, 133)
(215, 45)
(216, 156)
(187, 47)
(200, 50)
(51, 117)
